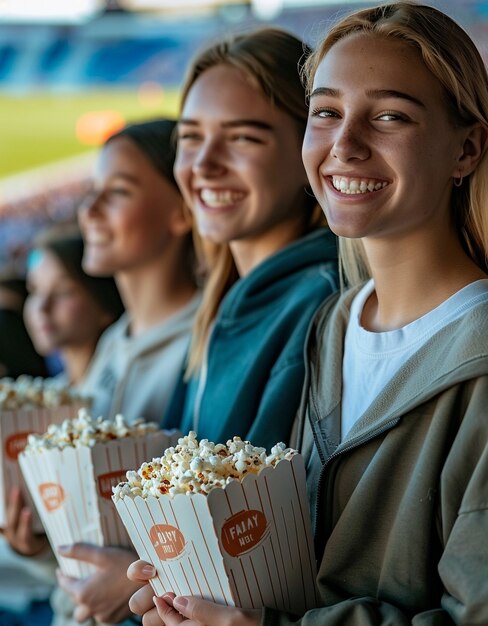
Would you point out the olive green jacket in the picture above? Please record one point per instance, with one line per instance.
(400, 507)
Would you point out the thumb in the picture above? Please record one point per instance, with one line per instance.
(204, 612)
(83, 552)
(141, 572)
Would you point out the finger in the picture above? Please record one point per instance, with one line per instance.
(142, 600)
(168, 597)
(84, 552)
(205, 612)
(81, 613)
(72, 586)
(14, 506)
(24, 530)
(151, 618)
(166, 612)
(140, 571)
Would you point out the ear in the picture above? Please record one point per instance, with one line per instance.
(180, 222)
(474, 145)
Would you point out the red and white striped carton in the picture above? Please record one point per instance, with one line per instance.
(72, 490)
(15, 426)
(248, 544)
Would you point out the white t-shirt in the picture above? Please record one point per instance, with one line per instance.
(372, 359)
(136, 376)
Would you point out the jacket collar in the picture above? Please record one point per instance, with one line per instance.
(456, 353)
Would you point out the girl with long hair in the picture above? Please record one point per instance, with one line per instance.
(393, 417)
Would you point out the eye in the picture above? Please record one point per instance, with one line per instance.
(188, 136)
(114, 194)
(323, 112)
(245, 138)
(391, 116)
(119, 191)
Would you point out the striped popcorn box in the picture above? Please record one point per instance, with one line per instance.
(72, 488)
(247, 544)
(15, 427)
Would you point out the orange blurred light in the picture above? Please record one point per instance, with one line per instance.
(95, 127)
(150, 95)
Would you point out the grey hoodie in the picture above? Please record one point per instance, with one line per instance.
(401, 505)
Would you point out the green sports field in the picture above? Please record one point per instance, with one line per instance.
(39, 129)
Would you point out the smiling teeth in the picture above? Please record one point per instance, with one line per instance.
(96, 238)
(357, 185)
(220, 198)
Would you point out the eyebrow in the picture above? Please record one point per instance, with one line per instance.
(376, 94)
(125, 176)
(234, 123)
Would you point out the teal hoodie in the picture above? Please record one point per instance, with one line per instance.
(251, 382)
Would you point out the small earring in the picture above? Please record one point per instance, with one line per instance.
(458, 181)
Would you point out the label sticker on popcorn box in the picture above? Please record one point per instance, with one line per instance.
(14, 444)
(243, 532)
(52, 496)
(109, 480)
(168, 541)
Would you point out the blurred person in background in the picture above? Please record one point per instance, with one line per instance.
(270, 258)
(17, 353)
(137, 228)
(66, 311)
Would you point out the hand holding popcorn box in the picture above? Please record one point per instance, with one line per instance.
(70, 472)
(28, 405)
(224, 522)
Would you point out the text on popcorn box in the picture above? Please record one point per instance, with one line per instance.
(52, 496)
(168, 541)
(243, 532)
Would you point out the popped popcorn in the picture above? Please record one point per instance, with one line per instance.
(85, 430)
(198, 467)
(29, 392)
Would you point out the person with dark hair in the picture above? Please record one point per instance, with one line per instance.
(136, 227)
(17, 353)
(67, 310)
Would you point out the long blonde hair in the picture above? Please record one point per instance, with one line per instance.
(452, 57)
(270, 58)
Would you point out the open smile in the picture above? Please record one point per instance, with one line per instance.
(351, 186)
(219, 198)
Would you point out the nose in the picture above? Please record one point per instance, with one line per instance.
(90, 205)
(350, 142)
(209, 159)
